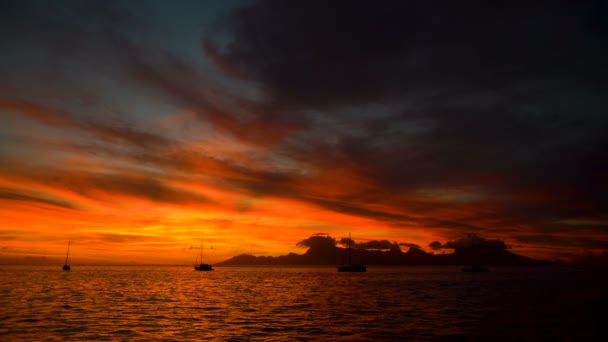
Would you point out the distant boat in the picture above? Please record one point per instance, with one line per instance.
(66, 267)
(201, 266)
(350, 267)
(475, 268)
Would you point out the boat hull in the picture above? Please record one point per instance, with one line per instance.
(203, 267)
(66, 268)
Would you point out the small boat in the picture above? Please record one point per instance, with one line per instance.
(66, 267)
(475, 268)
(350, 267)
(201, 266)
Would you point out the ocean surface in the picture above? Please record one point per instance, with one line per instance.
(176, 303)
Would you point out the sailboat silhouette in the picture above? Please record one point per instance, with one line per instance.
(66, 267)
(201, 266)
(350, 267)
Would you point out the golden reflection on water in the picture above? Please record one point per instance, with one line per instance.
(177, 303)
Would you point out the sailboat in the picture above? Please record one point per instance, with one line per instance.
(350, 267)
(66, 267)
(201, 266)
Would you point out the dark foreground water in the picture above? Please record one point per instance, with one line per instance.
(285, 304)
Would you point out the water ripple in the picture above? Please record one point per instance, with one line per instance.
(303, 304)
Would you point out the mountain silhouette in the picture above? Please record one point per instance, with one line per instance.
(333, 255)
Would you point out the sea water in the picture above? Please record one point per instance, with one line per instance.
(176, 303)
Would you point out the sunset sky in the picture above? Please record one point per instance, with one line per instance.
(135, 129)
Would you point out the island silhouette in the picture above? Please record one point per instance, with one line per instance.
(323, 250)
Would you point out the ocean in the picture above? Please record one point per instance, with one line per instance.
(176, 303)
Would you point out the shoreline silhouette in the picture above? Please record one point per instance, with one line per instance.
(331, 255)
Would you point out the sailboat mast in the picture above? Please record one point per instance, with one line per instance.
(68, 253)
(349, 249)
(202, 244)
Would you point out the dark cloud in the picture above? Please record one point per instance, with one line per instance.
(378, 244)
(319, 240)
(9, 235)
(36, 197)
(106, 129)
(315, 53)
(124, 238)
(470, 240)
(358, 210)
(123, 131)
(96, 185)
(104, 42)
(435, 245)
(410, 245)
(503, 96)
(147, 187)
(186, 86)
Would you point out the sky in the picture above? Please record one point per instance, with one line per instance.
(139, 129)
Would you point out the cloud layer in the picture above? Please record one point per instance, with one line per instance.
(263, 122)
